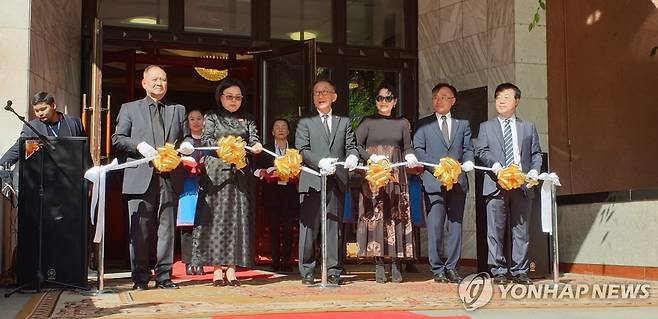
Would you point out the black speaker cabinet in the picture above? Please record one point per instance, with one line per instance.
(59, 174)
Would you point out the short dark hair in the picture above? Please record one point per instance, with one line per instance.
(389, 88)
(225, 84)
(43, 97)
(282, 120)
(324, 80)
(441, 85)
(505, 86)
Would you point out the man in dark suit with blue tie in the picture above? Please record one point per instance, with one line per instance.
(505, 140)
(152, 196)
(441, 135)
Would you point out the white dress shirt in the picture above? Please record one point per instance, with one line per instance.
(328, 119)
(448, 121)
(515, 139)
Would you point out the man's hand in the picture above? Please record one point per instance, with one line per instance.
(351, 162)
(327, 166)
(146, 150)
(412, 161)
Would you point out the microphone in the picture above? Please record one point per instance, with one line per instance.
(8, 106)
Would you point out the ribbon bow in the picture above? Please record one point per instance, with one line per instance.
(289, 165)
(232, 150)
(448, 172)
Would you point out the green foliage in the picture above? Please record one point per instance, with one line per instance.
(362, 94)
(536, 17)
(653, 51)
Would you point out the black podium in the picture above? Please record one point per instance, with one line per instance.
(62, 224)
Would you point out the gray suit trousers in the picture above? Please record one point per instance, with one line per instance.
(310, 229)
(513, 207)
(152, 218)
(446, 206)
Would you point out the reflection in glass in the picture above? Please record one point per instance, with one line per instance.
(218, 16)
(363, 85)
(301, 20)
(375, 23)
(284, 90)
(136, 13)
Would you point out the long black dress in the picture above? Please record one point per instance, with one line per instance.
(384, 226)
(223, 232)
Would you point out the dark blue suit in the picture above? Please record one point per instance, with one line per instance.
(430, 146)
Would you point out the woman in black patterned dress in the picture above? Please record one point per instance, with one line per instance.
(384, 226)
(224, 225)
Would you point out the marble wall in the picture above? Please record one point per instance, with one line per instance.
(55, 38)
(482, 43)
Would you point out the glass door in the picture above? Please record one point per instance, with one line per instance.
(285, 79)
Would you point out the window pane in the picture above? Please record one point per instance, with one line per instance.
(136, 13)
(375, 23)
(301, 20)
(218, 16)
(363, 85)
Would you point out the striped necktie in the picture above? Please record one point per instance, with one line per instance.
(509, 148)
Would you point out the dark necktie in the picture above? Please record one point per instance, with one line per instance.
(509, 148)
(158, 124)
(444, 129)
(325, 121)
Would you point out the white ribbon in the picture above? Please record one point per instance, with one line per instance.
(547, 200)
(96, 175)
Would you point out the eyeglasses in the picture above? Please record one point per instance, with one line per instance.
(236, 98)
(389, 98)
(322, 93)
(442, 97)
(505, 97)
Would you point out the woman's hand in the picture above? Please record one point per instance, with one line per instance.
(257, 148)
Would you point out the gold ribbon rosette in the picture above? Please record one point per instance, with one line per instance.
(231, 150)
(168, 158)
(448, 172)
(379, 174)
(289, 165)
(511, 177)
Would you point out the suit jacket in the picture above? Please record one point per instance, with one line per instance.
(490, 150)
(71, 126)
(275, 194)
(430, 146)
(314, 145)
(133, 127)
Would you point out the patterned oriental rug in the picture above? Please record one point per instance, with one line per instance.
(265, 293)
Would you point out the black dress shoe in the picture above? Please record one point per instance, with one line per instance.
(522, 279)
(141, 286)
(189, 270)
(198, 270)
(166, 284)
(500, 280)
(441, 278)
(220, 283)
(453, 276)
(334, 280)
(234, 283)
(308, 280)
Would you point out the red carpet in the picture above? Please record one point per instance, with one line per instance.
(242, 273)
(344, 315)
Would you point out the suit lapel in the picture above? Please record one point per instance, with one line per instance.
(437, 130)
(144, 111)
(334, 127)
(168, 120)
(519, 135)
(499, 133)
(453, 131)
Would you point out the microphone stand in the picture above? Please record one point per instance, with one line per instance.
(39, 280)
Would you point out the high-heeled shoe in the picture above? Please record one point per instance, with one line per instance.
(189, 269)
(220, 283)
(198, 270)
(234, 282)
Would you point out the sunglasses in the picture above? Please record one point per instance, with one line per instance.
(389, 98)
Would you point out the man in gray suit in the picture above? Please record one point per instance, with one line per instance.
(507, 140)
(441, 135)
(152, 197)
(322, 138)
